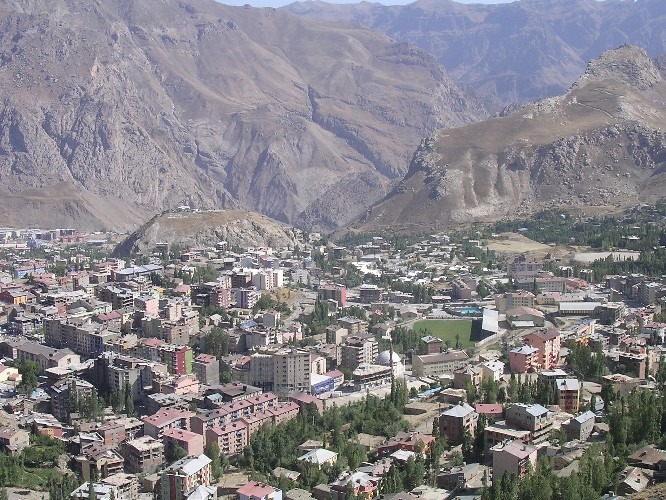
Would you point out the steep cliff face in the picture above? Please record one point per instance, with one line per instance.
(510, 52)
(159, 103)
(601, 144)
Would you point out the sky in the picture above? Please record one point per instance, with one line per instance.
(280, 3)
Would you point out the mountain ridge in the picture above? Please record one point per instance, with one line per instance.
(161, 103)
(512, 52)
(601, 144)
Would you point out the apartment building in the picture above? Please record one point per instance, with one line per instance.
(333, 292)
(370, 293)
(524, 359)
(206, 367)
(534, 418)
(191, 442)
(46, 357)
(144, 454)
(513, 458)
(547, 341)
(454, 422)
(246, 298)
(354, 326)
(567, 394)
(184, 476)
(156, 424)
(231, 439)
(580, 427)
(463, 289)
(358, 350)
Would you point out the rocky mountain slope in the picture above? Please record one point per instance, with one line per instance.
(513, 52)
(238, 228)
(602, 144)
(114, 110)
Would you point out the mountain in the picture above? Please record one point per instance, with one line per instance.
(600, 146)
(238, 228)
(513, 52)
(112, 111)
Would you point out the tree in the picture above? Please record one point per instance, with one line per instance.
(129, 399)
(173, 452)
(471, 391)
(468, 447)
(29, 371)
(213, 452)
(216, 342)
(3, 494)
(91, 491)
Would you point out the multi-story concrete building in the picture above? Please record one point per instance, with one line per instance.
(46, 357)
(354, 326)
(500, 432)
(463, 289)
(567, 394)
(13, 441)
(156, 424)
(246, 298)
(119, 298)
(454, 422)
(99, 460)
(466, 375)
(358, 350)
(649, 292)
(370, 293)
(580, 427)
(231, 439)
(119, 371)
(191, 442)
(61, 397)
(510, 300)
(433, 365)
(206, 367)
(534, 418)
(524, 265)
(330, 291)
(547, 341)
(126, 485)
(430, 345)
(144, 454)
(513, 458)
(184, 476)
(80, 335)
(524, 359)
(291, 371)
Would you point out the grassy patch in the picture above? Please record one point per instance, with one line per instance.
(447, 329)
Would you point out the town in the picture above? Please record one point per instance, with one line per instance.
(444, 366)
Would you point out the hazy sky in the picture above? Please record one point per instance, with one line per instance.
(280, 3)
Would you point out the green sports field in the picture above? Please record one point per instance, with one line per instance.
(446, 329)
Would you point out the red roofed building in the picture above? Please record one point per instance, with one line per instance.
(191, 442)
(303, 399)
(408, 441)
(258, 491)
(231, 439)
(492, 412)
(156, 424)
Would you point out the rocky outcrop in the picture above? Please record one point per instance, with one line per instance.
(164, 102)
(206, 228)
(601, 144)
